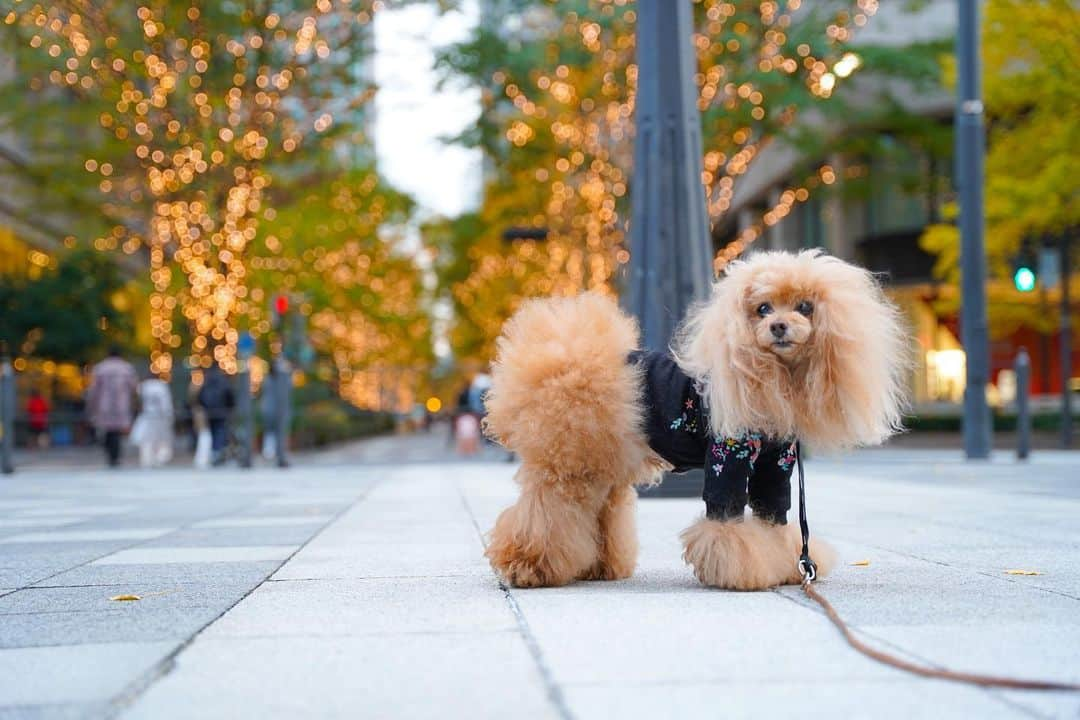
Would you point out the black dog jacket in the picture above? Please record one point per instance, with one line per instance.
(750, 468)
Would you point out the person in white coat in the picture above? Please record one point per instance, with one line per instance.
(153, 430)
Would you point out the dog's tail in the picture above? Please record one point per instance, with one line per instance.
(563, 395)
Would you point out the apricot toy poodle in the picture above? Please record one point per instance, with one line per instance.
(789, 347)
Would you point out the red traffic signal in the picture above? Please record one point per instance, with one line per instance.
(281, 304)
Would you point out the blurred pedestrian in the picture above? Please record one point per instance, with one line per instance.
(200, 427)
(467, 433)
(110, 401)
(37, 412)
(282, 388)
(466, 426)
(478, 388)
(217, 399)
(153, 429)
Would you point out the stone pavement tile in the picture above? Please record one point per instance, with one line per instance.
(386, 560)
(138, 520)
(236, 521)
(932, 593)
(85, 550)
(359, 607)
(75, 509)
(1057, 562)
(374, 529)
(96, 597)
(1039, 650)
(1064, 705)
(83, 536)
(165, 574)
(17, 570)
(129, 623)
(74, 674)
(686, 636)
(20, 524)
(63, 711)
(297, 510)
(857, 699)
(401, 676)
(9, 504)
(160, 555)
(293, 535)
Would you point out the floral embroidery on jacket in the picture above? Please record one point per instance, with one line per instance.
(747, 447)
(787, 459)
(688, 421)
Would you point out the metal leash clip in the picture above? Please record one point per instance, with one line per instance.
(807, 569)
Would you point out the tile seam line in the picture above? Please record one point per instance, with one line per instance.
(137, 688)
(553, 691)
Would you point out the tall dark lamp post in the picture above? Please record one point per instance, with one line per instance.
(970, 138)
(670, 251)
(1066, 341)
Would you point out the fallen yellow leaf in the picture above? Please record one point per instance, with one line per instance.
(861, 563)
(125, 598)
(1022, 572)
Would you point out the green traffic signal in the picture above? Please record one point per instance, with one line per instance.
(1024, 279)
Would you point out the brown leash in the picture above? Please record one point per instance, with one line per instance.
(809, 574)
(886, 658)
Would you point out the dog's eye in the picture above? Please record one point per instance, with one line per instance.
(764, 309)
(805, 308)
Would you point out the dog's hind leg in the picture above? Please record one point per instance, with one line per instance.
(551, 535)
(618, 543)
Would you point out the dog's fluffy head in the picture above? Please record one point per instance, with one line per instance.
(798, 345)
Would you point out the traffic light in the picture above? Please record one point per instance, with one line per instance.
(1024, 279)
(1025, 276)
(279, 308)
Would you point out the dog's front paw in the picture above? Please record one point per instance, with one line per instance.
(521, 573)
(608, 571)
(745, 555)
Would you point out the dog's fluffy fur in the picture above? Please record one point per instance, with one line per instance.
(565, 399)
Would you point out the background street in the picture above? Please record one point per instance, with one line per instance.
(361, 591)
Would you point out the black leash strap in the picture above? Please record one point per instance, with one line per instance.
(806, 565)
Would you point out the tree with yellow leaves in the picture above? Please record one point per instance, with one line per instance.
(1029, 51)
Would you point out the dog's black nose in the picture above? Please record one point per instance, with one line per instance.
(778, 329)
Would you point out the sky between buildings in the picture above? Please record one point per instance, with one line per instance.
(411, 115)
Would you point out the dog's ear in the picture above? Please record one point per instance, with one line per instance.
(854, 381)
(715, 346)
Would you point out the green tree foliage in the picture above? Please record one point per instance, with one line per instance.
(1029, 52)
(68, 312)
(334, 250)
(558, 82)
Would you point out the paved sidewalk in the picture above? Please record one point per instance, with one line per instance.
(359, 592)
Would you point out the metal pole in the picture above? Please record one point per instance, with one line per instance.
(1066, 345)
(969, 180)
(282, 391)
(670, 249)
(7, 416)
(247, 415)
(1023, 408)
